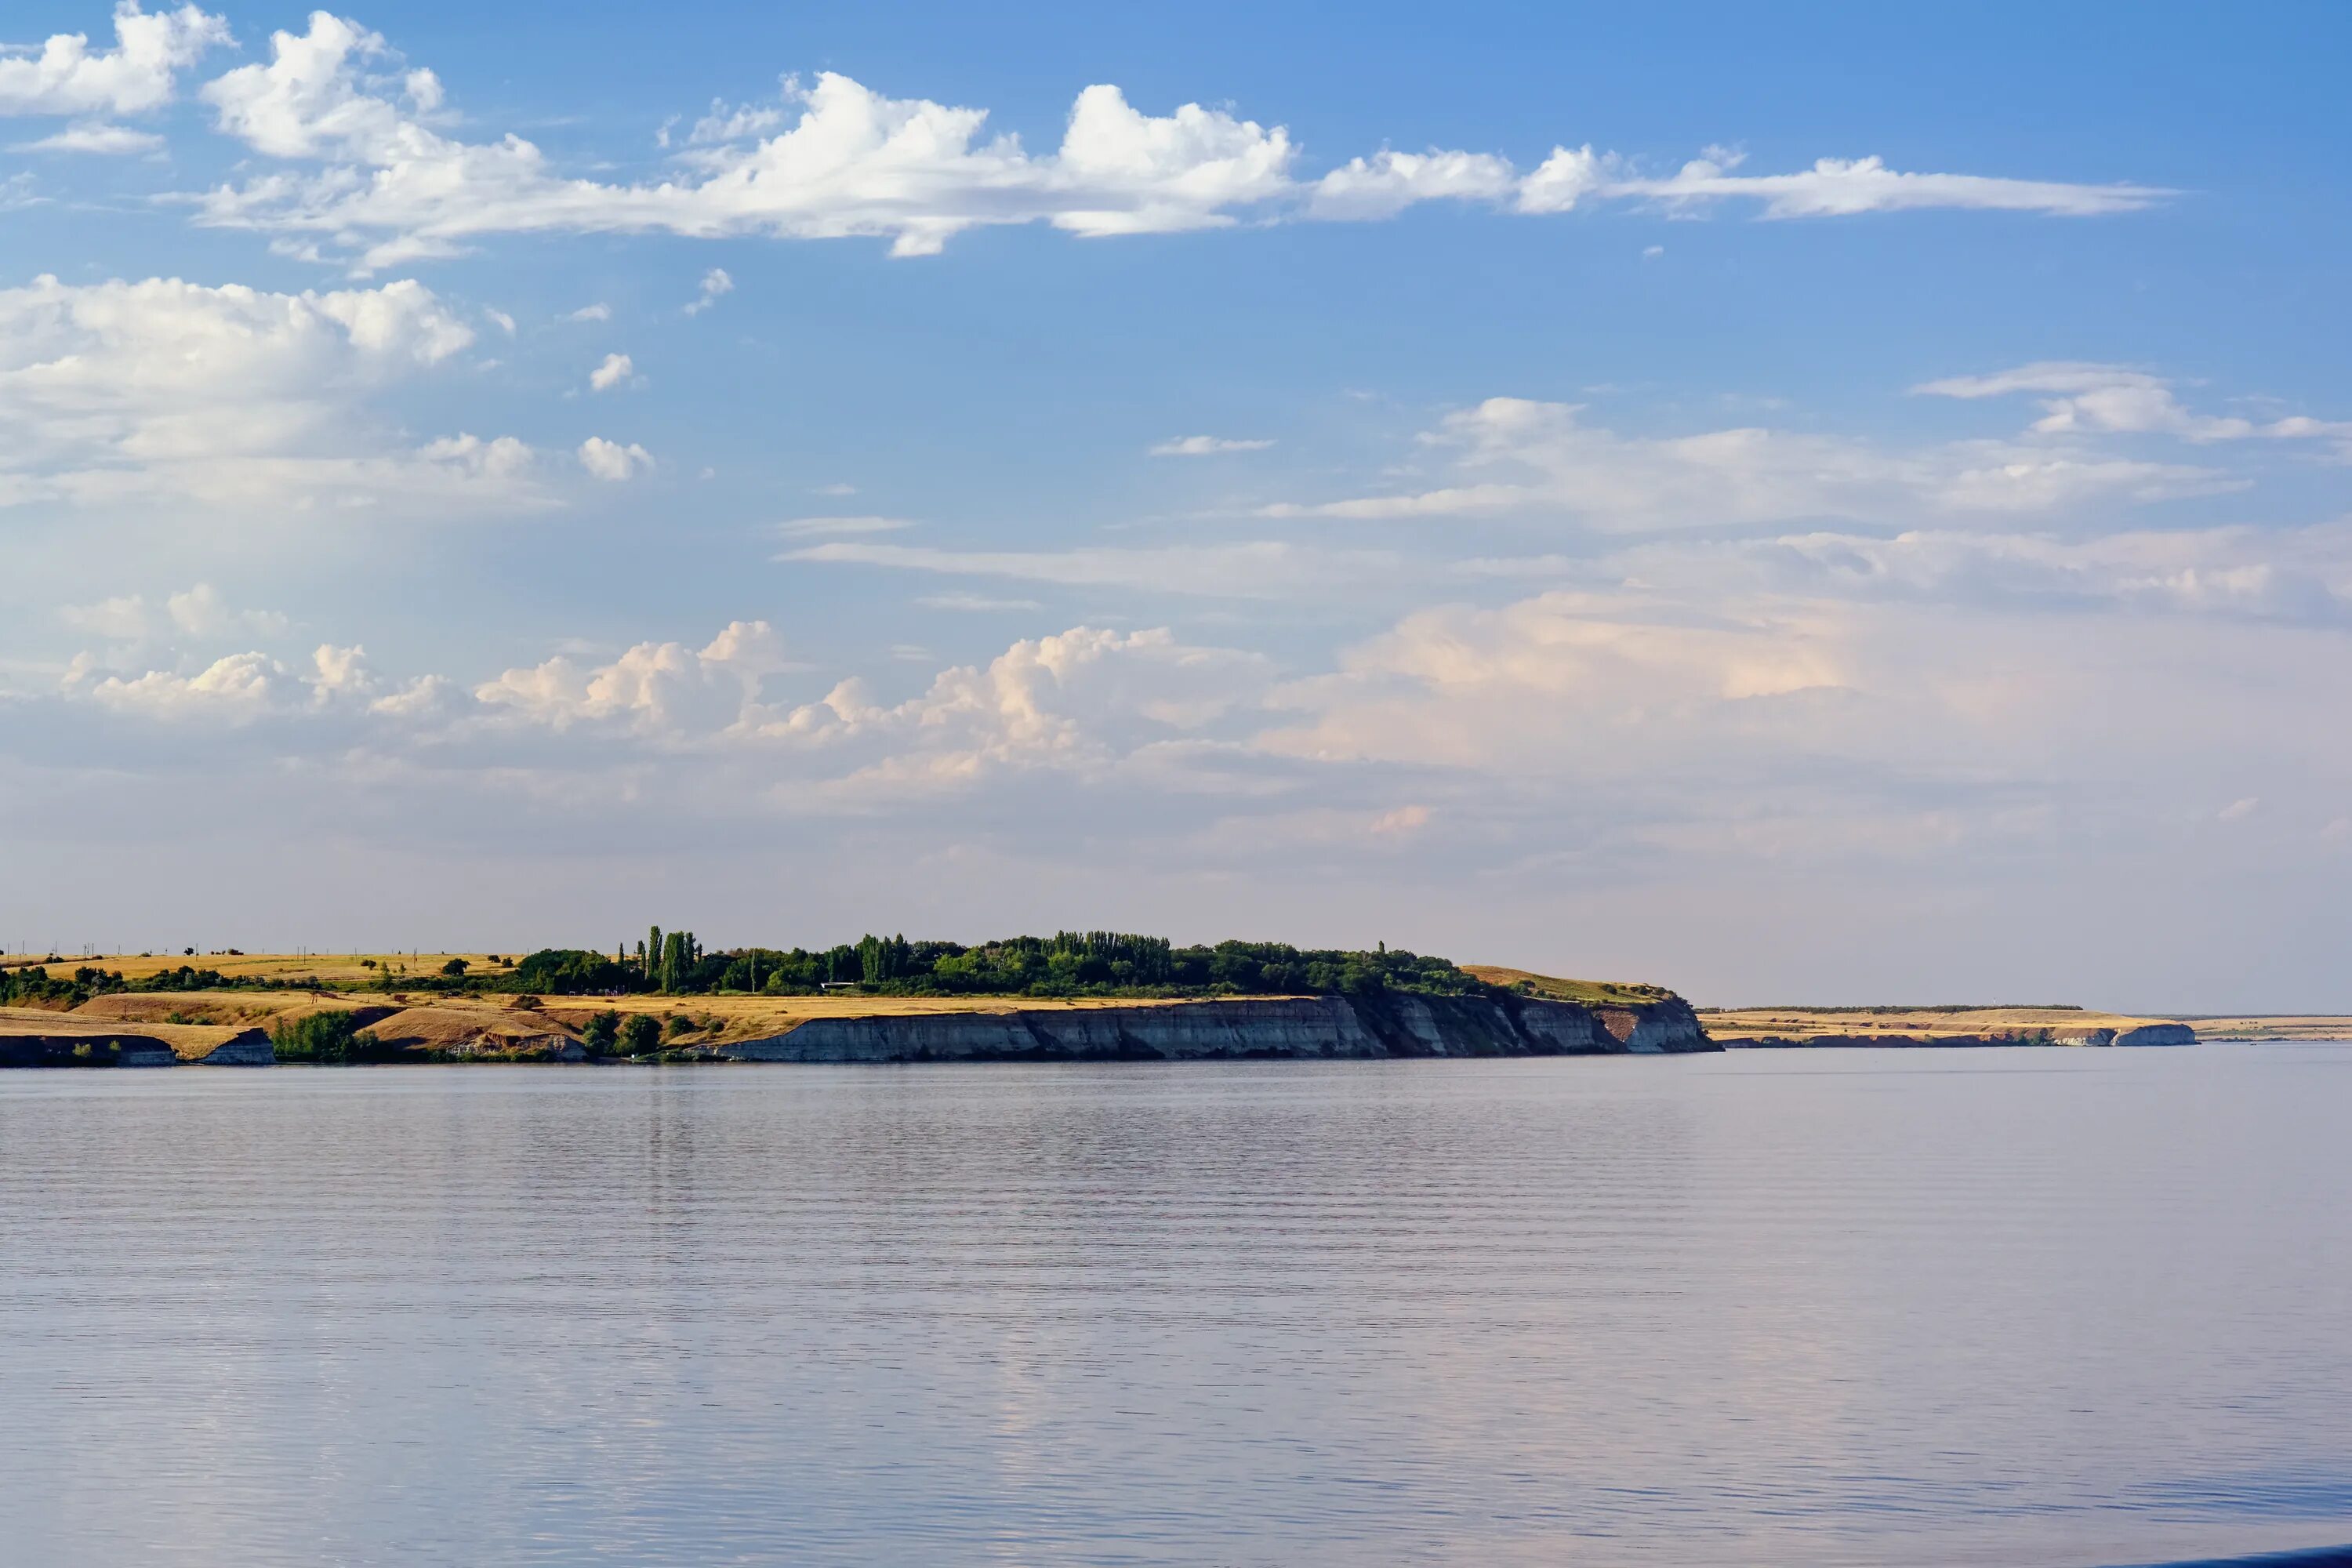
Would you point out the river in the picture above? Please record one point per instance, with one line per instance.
(1995, 1306)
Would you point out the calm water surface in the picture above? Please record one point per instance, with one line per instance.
(1918, 1307)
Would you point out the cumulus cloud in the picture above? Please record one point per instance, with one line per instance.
(652, 687)
(599, 312)
(119, 391)
(616, 370)
(243, 687)
(1083, 699)
(716, 284)
(613, 462)
(1205, 447)
(1386, 183)
(853, 162)
(64, 75)
(836, 159)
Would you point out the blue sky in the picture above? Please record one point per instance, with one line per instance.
(1514, 483)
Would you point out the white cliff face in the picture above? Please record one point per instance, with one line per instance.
(1314, 1028)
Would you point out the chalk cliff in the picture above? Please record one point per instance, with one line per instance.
(1385, 1025)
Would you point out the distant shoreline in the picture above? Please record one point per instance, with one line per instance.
(242, 1009)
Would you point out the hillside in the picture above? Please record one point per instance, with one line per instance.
(1593, 992)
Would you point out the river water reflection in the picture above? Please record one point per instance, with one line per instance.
(1920, 1306)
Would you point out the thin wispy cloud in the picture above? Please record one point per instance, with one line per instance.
(812, 527)
(1205, 447)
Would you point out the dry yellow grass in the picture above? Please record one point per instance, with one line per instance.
(1599, 993)
(244, 1009)
(735, 1017)
(1807, 1023)
(337, 969)
(2280, 1027)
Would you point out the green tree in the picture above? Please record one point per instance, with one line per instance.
(639, 1034)
(330, 1038)
(602, 1033)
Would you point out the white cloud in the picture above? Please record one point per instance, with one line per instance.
(64, 75)
(652, 687)
(725, 124)
(500, 319)
(2109, 399)
(95, 137)
(120, 391)
(853, 162)
(616, 370)
(1843, 188)
(975, 603)
(1386, 183)
(125, 618)
(2239, 810)
(611, 461)
(1257, 569)
(1566, 178)
(1403, 819)
(813, 527)
(2288, 577)
(715, 283)
(599, 312)
(845, 159)
(1205, 447)
(1083, 699)
(1516, 455)
(201, 612)
(237, 688)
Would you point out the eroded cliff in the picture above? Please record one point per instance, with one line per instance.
(1384, 1025)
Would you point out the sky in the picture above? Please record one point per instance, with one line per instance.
(1841, 505)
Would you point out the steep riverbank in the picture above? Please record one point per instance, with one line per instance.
(1386, 1024)
(30, 1037)
(1373, 1026)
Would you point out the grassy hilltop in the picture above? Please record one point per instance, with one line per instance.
(667, 992)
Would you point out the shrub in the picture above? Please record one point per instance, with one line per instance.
(639, 1034)
(603, 1032)
(455, 968)
(330, 1039)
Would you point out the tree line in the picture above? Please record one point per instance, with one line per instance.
(1094, 963)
